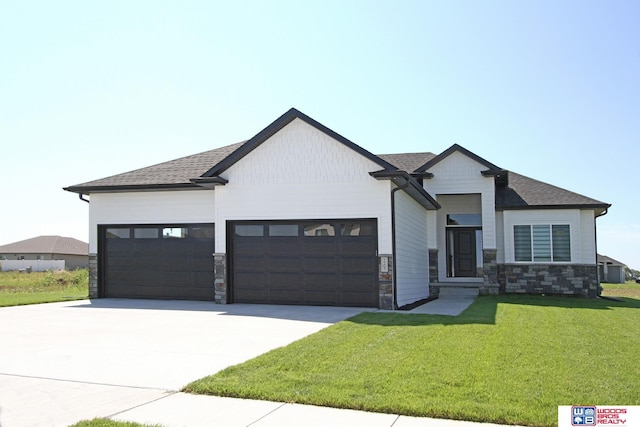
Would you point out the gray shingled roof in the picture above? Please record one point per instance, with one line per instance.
(407, 162)
(174, 172)
(524, 192)
(47, 245)
(521, 193)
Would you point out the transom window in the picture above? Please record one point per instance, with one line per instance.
(542, 243)
(464, 219)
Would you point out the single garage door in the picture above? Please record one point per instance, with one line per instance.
(305, 262)
(157, 261)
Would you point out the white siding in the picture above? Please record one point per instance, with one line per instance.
(302, 173)
(412, 252)
(581, 229)
(500, 237)
(459, 174)
(152, 207)
(587, 237)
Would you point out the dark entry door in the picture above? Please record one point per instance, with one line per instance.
(464, 252)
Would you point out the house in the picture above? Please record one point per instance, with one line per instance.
(73, 252)
(611, 271)
(298, 214)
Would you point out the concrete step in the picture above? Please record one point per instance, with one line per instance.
(458, 292)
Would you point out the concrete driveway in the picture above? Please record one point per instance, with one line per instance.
(65, 362)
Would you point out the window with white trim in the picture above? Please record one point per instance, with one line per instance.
(542, 243)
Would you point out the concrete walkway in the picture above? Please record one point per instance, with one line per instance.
(182, 409)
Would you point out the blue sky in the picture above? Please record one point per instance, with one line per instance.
(548, 89)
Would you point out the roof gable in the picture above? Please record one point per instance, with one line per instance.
(278, 125)
(455, 148)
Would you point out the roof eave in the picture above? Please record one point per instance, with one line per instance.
(414, 190)
(603, 206)
(125, 188)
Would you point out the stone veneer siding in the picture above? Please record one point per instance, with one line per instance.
(434, 290)
(93, 275)
(220, 278)
(491, 285)
(385, 281)
(573, 279)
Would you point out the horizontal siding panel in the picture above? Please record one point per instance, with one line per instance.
(412, 253)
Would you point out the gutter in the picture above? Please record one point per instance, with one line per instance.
(394, 285)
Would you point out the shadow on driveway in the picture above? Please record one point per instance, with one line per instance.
(325, 314)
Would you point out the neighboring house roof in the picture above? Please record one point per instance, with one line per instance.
(47, 245)
(513, 191)
(603, 259)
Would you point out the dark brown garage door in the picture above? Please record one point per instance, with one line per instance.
(157, 261)
(308, 263)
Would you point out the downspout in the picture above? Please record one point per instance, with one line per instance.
(82, 198)
(393, 239)
(595, 237)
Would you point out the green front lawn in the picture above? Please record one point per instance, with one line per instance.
(506, 359)
(34, 288)
(629, 289)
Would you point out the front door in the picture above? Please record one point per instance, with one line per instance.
(462, 252)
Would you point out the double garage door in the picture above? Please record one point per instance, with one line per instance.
(270, 262)
(158, 261)
(306, 263)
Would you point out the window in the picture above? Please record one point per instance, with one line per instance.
(542, 243)
(319, 230)
(118, 233)
(358, 229)
(287, 230)
(145, 233)
(464, 219)
(175, 232)
(249, 230)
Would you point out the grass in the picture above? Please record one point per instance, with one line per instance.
(506, 359)
(35, 288)
(104, 422)
(631, 289)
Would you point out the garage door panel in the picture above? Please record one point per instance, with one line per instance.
(285, 280)
(283, 245)
(322, 280)
(283, 262)
(250, 245)
(320, 264)
(320, 245)
(321, 297)
(249, 263)
(277, 296)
